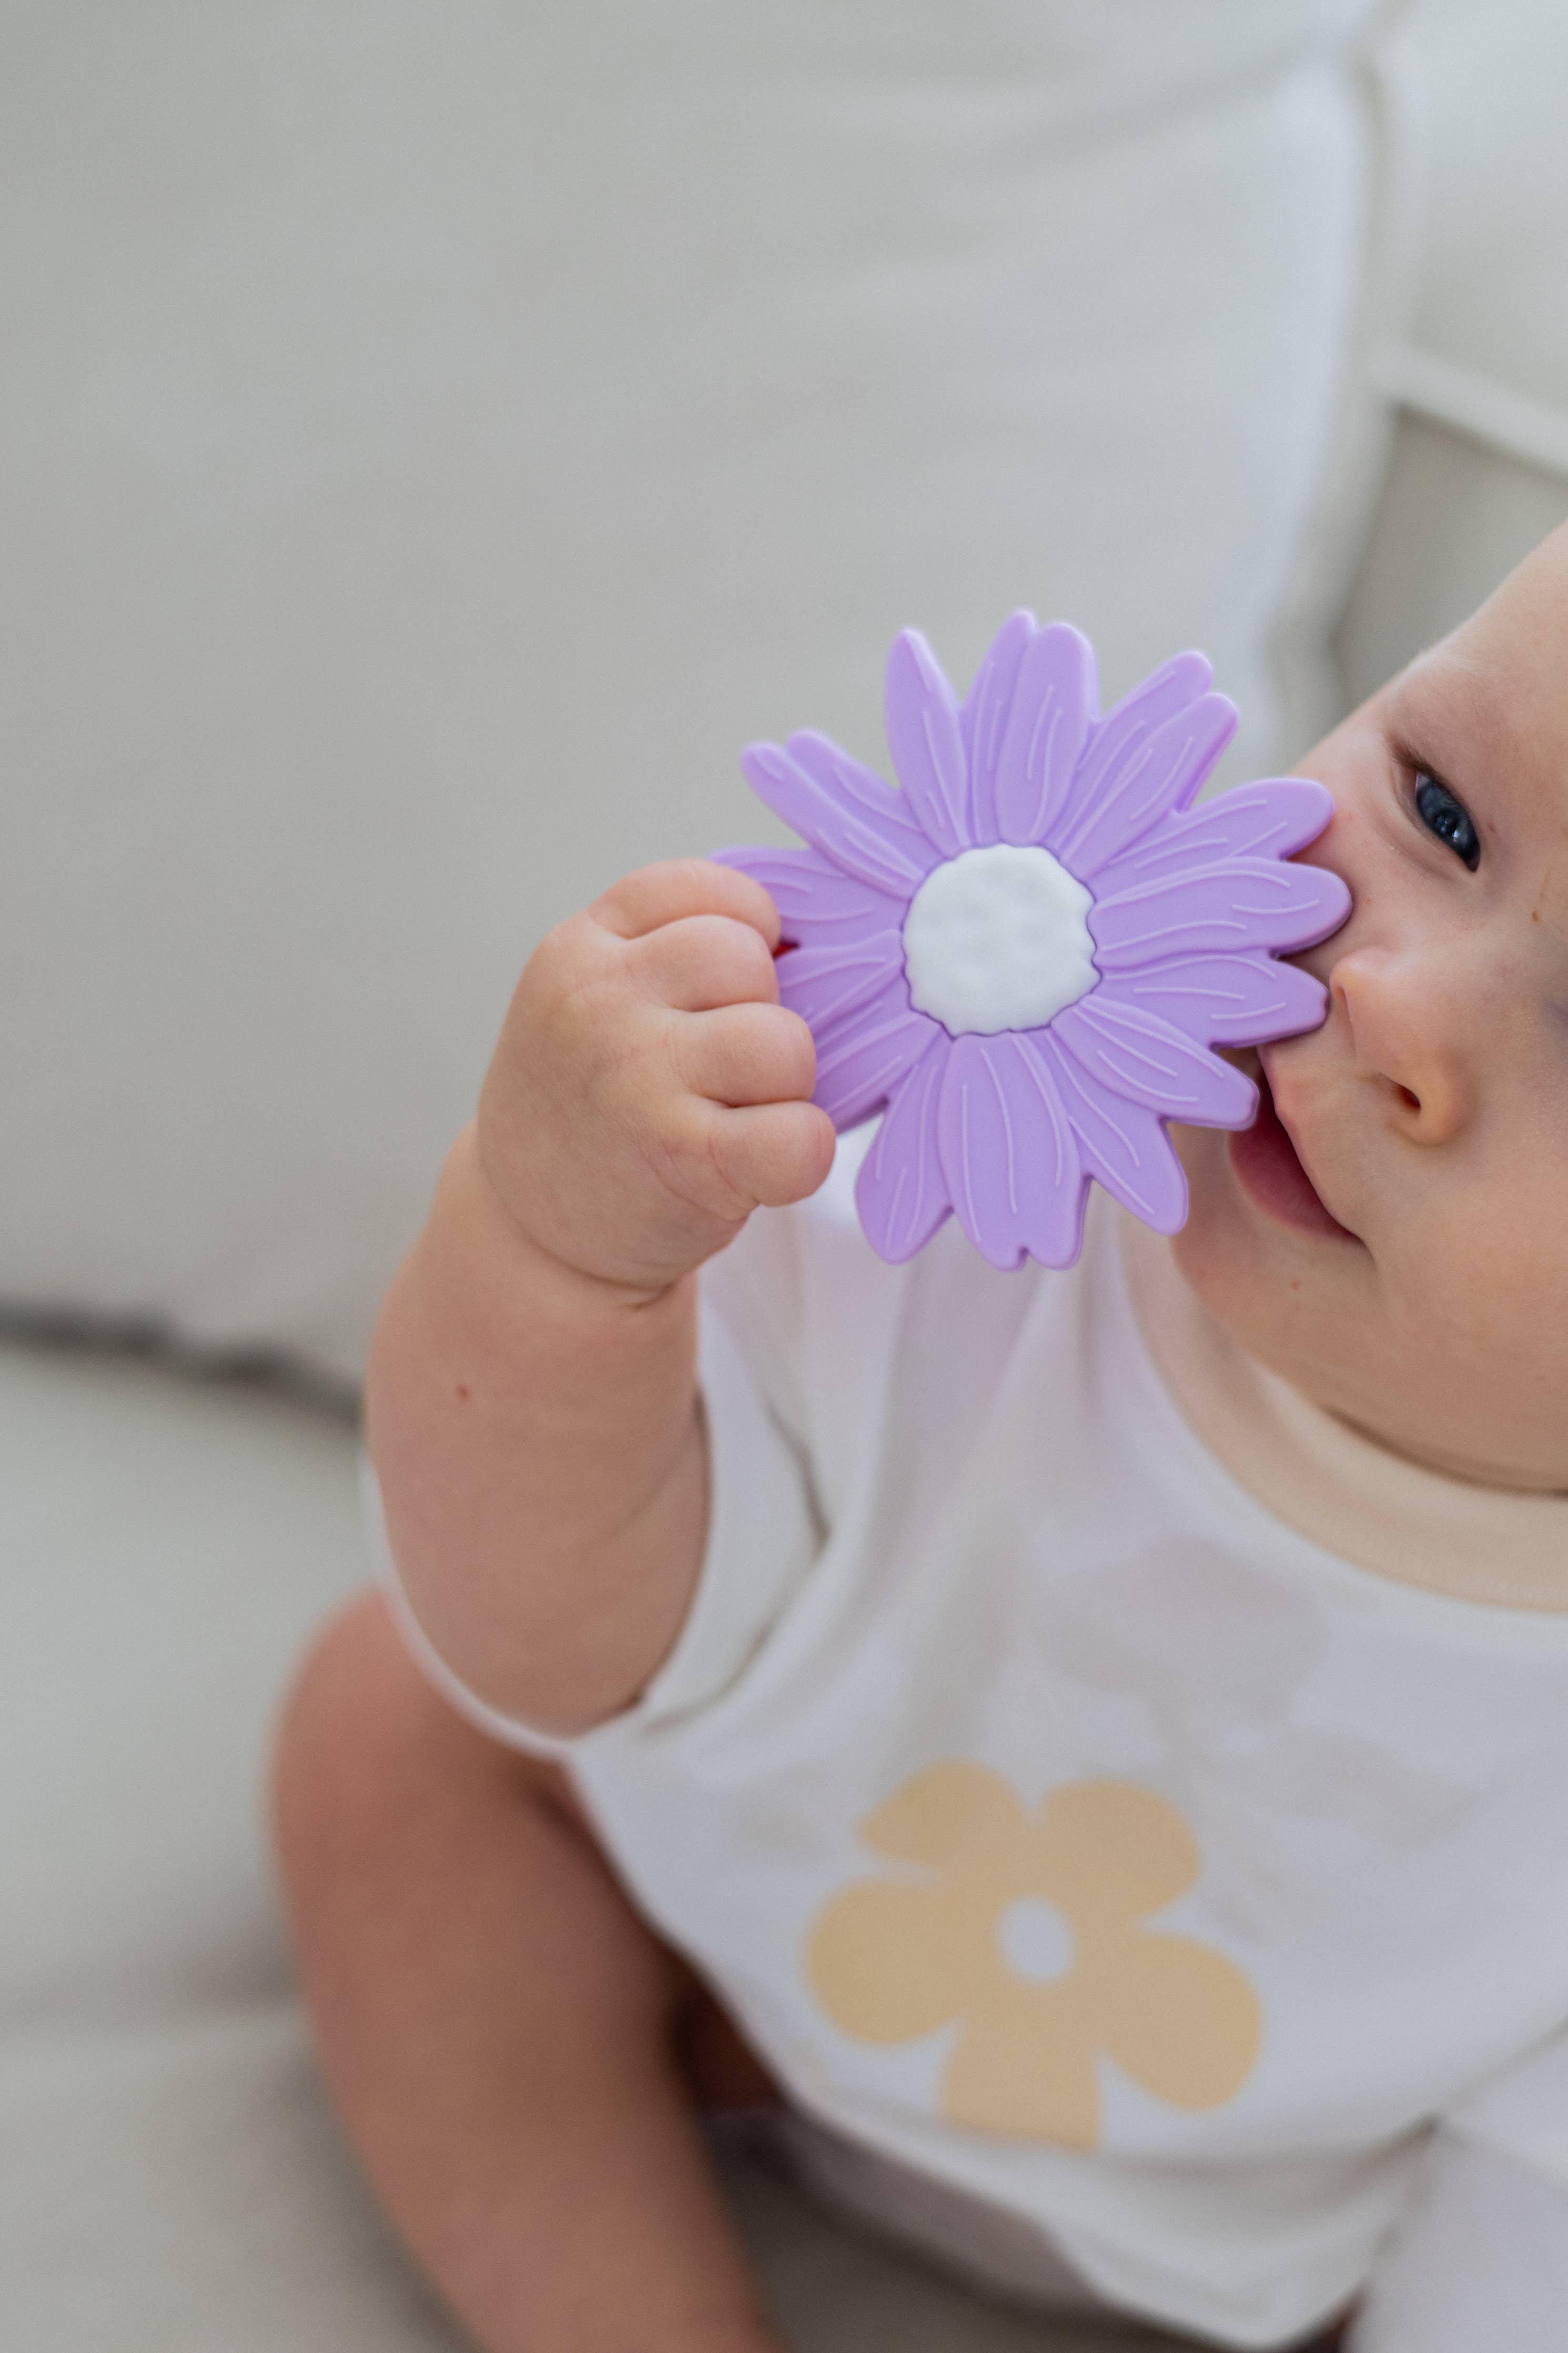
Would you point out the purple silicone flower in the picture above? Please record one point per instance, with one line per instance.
(1025, 953)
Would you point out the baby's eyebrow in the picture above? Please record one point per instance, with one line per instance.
(1444, 715)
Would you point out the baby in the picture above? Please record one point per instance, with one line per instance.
(1087, 1753)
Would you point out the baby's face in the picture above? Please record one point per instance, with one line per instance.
(1395, 1242)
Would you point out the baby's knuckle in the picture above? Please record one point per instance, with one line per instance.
(753, 955)
(562, 969)
(747, 899)
(731, 1183)
(736, 959)
(685, 1149)
(581, 1019)
(619, 898)
(675, 1049)
(791, 1161)
(793, 1051)
(567, 946)
(636, 1073)
(703, 879)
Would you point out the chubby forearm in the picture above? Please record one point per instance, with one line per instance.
(532, 1406)
(541, 1459)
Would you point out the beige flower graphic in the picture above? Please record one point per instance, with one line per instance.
(1027, 1929)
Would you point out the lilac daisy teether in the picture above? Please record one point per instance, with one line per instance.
(1024, 957)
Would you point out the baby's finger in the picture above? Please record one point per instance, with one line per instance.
(773, 1153)
(660, 894)
(704, 961)
(745, 1054)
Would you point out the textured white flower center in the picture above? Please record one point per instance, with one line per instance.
(997, 939)
(1035, 1941)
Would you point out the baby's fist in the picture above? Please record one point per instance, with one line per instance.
(649, 1091)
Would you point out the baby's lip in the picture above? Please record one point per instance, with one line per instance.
(1274, 1172)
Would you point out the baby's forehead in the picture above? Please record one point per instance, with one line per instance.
(1502, 677)
(1487, 711)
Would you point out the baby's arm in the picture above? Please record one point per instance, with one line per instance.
(1480, 2260)
(531, 1401)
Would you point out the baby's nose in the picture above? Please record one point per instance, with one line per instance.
(1408, 1039)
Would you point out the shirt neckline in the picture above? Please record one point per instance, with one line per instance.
(1452, 1538)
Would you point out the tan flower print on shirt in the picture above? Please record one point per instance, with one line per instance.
(1029, 1930)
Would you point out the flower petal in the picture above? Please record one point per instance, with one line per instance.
(1150, 703)
(1272, 818)
(1122, 1145)
(861, 1061)
(1177, 2016)
(982, 721)
(1012, 1168)
(1252, 903)
(888, 1961)
(818, 903)
(822, 984)
(1048, 727)
(1148, 1061)
(1126, 728)
(920, 712)
(942, 1815)
(1223, 1000)
(1031, 2075)
(843, 810)
(1108, 1851)
(1115, 803)
(900, 1190)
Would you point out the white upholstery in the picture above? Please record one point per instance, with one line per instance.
(1479, 368)
(169, 2181)
(433, 440)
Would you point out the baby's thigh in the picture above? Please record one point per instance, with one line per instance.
(428, 1864)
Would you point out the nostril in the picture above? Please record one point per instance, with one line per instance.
(1411, 1100)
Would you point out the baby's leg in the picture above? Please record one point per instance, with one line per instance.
(503, 2034)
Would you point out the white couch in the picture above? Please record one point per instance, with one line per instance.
(435, 438)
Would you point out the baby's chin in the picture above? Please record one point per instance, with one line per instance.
(1312, 1307)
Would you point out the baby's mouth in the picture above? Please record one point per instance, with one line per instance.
(1268, 1169)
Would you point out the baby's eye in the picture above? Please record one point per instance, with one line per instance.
(1448, 819)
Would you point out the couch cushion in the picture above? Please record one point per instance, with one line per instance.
(169, 2179)
(166, 1547)
(434, 440)
(1476, 366)
(179, 2188)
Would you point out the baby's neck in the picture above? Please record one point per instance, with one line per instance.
(1501, 1476)
(1429, 1523)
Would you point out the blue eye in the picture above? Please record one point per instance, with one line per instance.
(1448, 819)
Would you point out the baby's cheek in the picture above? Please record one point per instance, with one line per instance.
(1477, 1321)
(1216, 1211)
(1219, 1250)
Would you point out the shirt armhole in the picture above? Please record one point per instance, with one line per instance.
(761, 1536)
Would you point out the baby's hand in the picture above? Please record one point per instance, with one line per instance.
(649, 1091)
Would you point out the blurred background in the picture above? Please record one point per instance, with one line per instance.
(433, 439)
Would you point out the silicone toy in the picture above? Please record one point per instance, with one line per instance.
(1022, 957)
